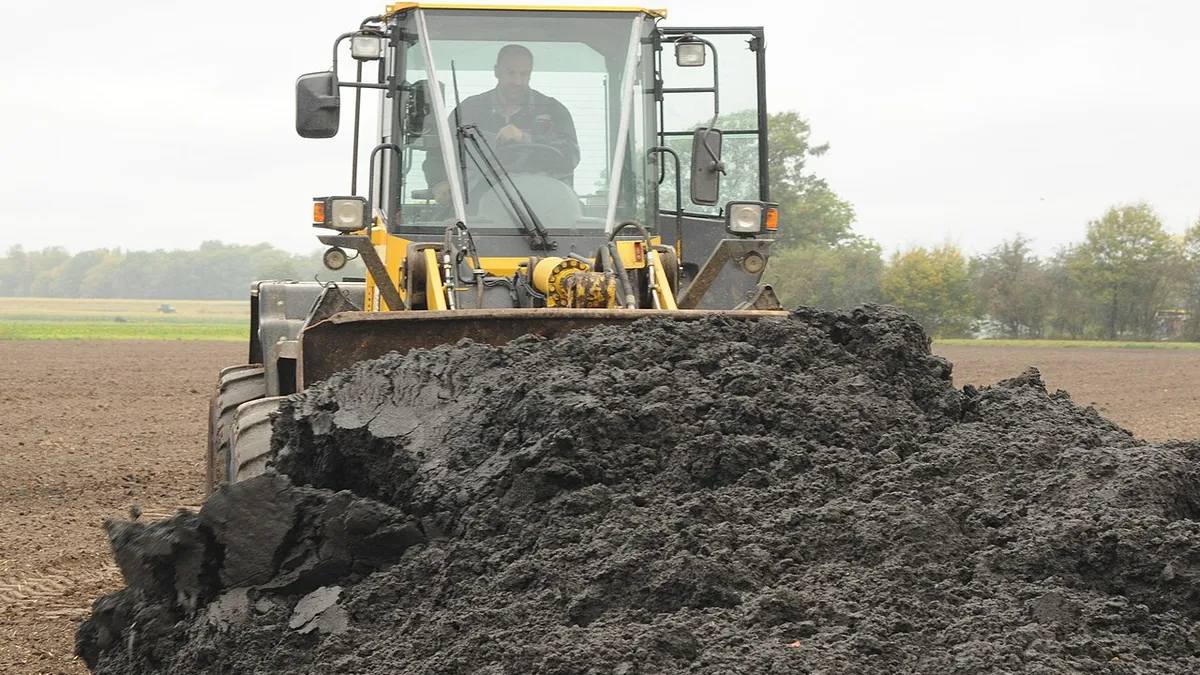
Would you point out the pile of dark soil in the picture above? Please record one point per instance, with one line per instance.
(806, 495)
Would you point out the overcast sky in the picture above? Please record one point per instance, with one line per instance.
(147, 125)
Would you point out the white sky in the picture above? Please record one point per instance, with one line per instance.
(146, 125)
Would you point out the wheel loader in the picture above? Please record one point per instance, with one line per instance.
(528, 170)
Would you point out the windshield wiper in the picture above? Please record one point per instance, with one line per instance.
(521, 211)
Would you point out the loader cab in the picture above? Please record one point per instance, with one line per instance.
(634, 94)
(622, 120)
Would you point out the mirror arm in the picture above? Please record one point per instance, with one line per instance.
(357, 125)
(337, 43)
(716, 84)
(716, 164)
(363, 85)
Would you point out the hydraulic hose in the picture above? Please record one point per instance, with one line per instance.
(613, 255)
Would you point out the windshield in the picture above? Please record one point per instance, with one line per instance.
(534, 104)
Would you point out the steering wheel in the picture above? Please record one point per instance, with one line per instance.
(522, 157)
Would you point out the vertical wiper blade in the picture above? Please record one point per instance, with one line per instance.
(462, 157)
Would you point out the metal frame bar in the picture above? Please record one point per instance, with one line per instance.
(399, 96)
(688, 90)
(371, 181)
(757, 31)
(362, 27)
(736, 132)
(764, 182)
(662, 149)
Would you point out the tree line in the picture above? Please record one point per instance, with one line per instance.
(1128, 279)
(215, 271)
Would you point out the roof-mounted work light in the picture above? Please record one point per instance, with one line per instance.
(366, 47)
(689, 52)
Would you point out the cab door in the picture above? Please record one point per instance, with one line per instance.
(730, 85)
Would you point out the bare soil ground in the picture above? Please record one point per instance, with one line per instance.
(88, 430)
(1155, 393)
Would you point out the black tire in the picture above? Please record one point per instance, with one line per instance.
(235, 385)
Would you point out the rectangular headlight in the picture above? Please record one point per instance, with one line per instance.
(744, 217)
(344, 214)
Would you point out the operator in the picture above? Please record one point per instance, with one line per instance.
(512, 113)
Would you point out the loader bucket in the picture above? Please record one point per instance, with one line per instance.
(339, 341)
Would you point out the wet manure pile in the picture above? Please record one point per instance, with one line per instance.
(803, 495)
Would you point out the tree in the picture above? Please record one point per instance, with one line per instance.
(1191, 280)
(1070, 311)
(1127, 261)
(1011, 286)
(810, 211)
(41, 271)
(73, 272)
(835, 277)
(933, 286)
(12, 267)
(105, 279)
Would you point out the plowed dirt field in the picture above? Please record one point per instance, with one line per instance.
(90, 429)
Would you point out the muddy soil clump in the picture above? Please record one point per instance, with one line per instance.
(805, 495)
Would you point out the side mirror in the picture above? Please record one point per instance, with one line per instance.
(706, 166)
(318, 107)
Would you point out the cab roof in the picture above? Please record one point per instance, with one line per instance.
(398, 7)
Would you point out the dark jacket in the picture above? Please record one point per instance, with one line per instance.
(541, 117)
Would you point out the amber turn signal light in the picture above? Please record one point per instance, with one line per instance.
(772, 219)
(319, 212)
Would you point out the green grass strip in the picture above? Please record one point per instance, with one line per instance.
(131, 318)
(108, 330)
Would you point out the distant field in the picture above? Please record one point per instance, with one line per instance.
(88, 319)
(1115, 344)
